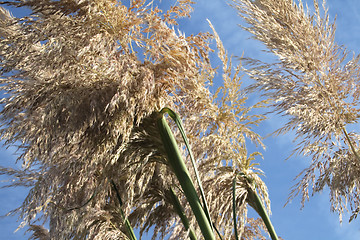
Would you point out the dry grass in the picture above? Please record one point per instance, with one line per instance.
(84, 82)
(316, 84)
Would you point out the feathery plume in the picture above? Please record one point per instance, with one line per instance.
(84, 81)
(316, 84)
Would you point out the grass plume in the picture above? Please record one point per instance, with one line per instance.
(314, 82)
(83, 82)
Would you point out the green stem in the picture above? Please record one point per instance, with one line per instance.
(180, 211)
(256, 203)
(177, 164)
(217, 231)
(129, 229)
(177, 120)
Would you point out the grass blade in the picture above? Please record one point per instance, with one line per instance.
(255, 202)
(180, 211)
(129, 229)
(178, 122)
(181, 172)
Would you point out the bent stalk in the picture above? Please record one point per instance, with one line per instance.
(180, 211)
(178, 166)
(129, 229)
(255, 202)
(177, 120)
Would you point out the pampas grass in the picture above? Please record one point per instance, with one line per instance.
(315, 83)
(84, 82)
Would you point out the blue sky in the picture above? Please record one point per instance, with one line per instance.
(314, 221)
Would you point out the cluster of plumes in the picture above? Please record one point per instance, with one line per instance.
(316, 85)
(84, 81)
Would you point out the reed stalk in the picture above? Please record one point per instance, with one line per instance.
(255, 202)
(129, 229)
(178, 122)
(180, 211)
(180, 170)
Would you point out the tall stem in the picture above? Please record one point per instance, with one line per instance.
(177, 120)
(180, 211)
(256, 203)
(178, 166)
(129, 229)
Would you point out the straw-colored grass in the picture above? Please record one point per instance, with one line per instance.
(84, 82)
(315, 83)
